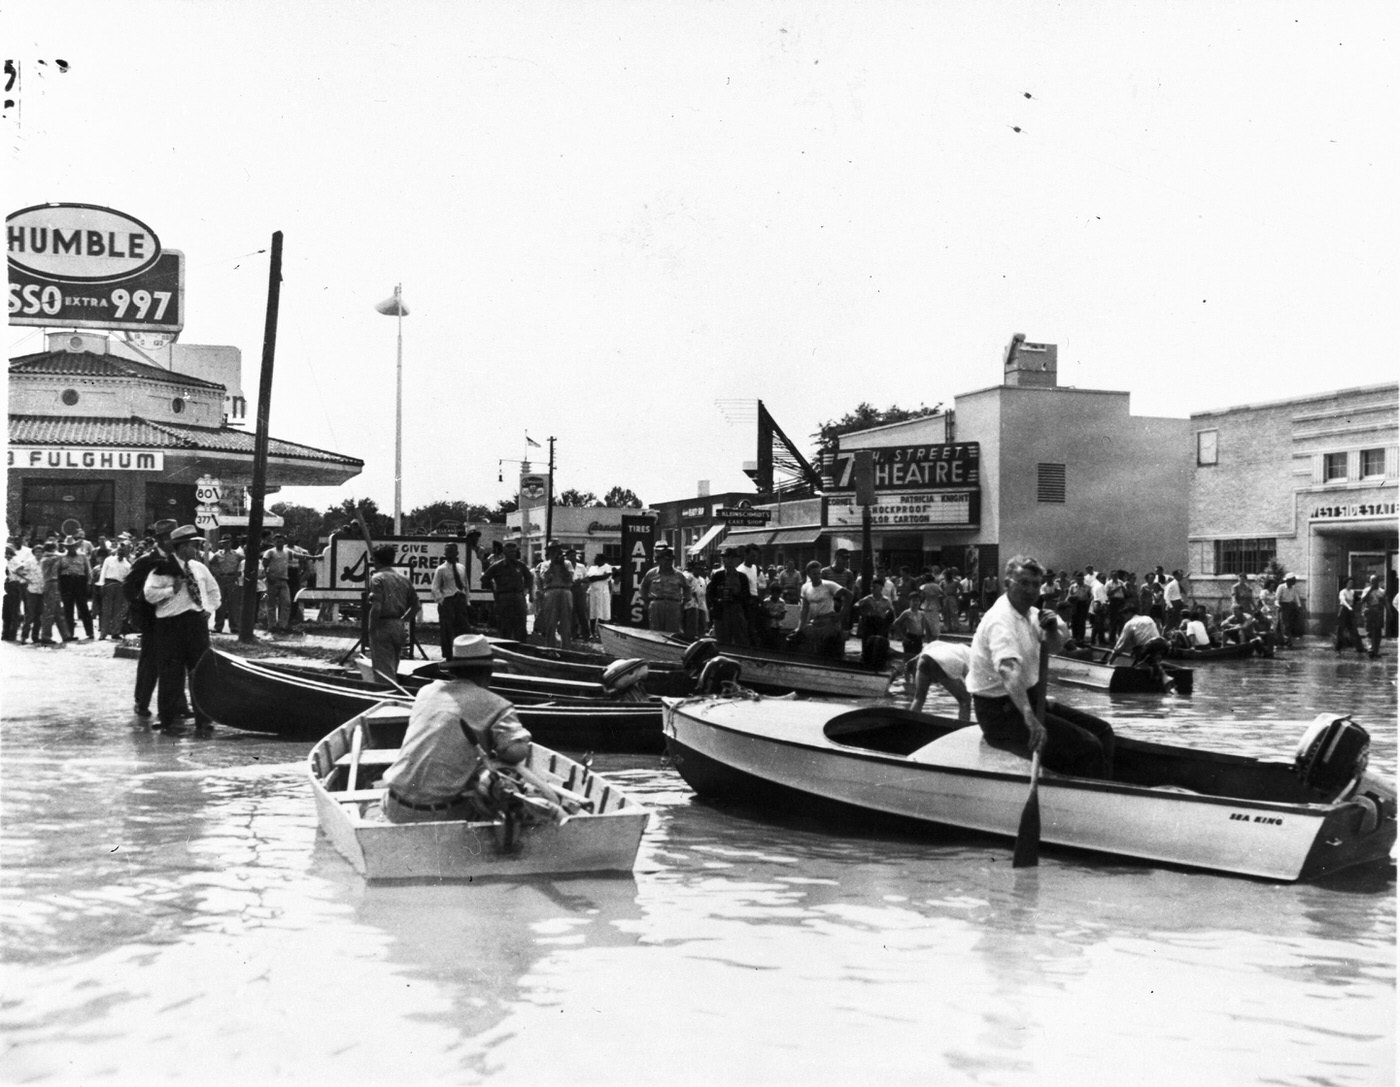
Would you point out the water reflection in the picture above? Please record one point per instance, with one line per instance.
(169, 907)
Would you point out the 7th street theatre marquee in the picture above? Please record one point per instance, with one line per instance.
(915, 485)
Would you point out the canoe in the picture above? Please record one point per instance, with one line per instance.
(1088, 666)
(603, 840)
(246, 695)
(1218, 652)
(762, 669)
(580, 665)
(1166, 804)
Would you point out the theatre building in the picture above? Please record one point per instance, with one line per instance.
(1067, 475)
(107, 443)
(1308, 483)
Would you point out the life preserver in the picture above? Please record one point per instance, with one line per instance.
(620, 675)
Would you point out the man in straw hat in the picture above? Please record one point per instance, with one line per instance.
(184, 595)
(455, 728)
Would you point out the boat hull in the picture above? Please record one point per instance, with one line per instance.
(469, 850)
(764, 670)
(242, 695)
(955, 779)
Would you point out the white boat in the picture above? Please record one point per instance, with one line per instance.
(764, 669)
(1167, 804)
(603, 837)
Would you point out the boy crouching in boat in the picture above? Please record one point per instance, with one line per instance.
(947, 663)
(1143, 642)
(443, 770)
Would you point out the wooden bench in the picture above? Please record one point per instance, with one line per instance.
(370, 756)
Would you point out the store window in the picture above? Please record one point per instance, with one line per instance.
(1050, 483)
(66, 505)
(173, 500)
(1334, 467)
(1246, 556)
(1372, 463)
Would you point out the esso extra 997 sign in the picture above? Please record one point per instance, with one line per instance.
(84, 266)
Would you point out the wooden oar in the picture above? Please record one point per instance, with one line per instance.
(1027, 854)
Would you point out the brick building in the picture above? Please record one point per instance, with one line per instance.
(1308, 483)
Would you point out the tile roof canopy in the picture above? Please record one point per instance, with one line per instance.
(135, 431)
(90, 364)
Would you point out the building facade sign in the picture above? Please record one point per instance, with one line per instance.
(934, 509)
(1352, 511)
(638, 541)
(347, 565)
(60, 457)
(913, 467)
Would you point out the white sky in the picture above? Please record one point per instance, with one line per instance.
(607, 216)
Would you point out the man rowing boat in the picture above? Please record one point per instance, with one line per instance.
(1003, 679)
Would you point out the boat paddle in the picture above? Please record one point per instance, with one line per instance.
(1027, 853)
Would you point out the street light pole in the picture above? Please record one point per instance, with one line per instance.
(395, 307)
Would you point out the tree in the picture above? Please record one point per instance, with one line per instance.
(299, 523)
(426, 519)
(343, 515)
(503, 507)
(621, 498)
(865, 416)
(573, 497)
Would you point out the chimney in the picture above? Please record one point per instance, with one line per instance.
(702, 488)
(1030, 365)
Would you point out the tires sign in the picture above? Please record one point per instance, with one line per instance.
(83, 266)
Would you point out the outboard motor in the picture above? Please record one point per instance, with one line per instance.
(1332, 756)
(698, 652)
(623, 678)
(719, 675)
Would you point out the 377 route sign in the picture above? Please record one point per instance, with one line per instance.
(150, 301)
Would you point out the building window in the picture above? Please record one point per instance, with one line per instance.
(177, 405)
(1334, 467)
(1372, 463)
(70, 397)
(64, 506)
(1247, 556)
(1207, 447)
(1049, 482)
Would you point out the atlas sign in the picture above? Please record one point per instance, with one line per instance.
(83, 266)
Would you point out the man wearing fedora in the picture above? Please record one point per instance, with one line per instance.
(511, 581)
(141, 615)
(184, 595)
(456, 725)
(75, 585)
(665, 592)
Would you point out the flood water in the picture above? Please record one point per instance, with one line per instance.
(171, 915)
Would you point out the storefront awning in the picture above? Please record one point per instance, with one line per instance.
(805, 537)
(757, 537)
(711, 534)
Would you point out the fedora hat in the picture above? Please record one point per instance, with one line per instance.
(69, 541)
(164, 527)
(470, 653)
(186, 534)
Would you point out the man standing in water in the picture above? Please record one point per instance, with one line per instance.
(391, 601)
(1003, 679)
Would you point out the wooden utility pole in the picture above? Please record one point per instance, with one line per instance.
(252, 545)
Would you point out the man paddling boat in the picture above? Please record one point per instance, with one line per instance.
(1002, 679)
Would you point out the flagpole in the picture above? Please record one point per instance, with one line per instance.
(398, 420)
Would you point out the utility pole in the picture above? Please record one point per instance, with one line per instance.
(549, 497)
(252, 545)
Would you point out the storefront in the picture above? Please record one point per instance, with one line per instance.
(106, 443)
(1304, 486)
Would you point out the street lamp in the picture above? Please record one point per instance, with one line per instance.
(394, 307)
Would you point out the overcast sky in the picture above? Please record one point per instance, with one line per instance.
(608, 216)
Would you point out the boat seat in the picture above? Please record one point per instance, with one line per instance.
(966, 749)
(357, 796)
(371, 756)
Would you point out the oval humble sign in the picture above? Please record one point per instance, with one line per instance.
(79, 243)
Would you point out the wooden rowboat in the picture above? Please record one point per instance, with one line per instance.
(579, 665)
(246, 695)
(355, 754)
(1167, 804)
(1219, 652)
(763, 669)
(1088, 666)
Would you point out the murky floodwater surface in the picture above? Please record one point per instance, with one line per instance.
(170, 914)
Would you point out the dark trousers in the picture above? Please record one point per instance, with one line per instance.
(1346, 630)
(14, 609)
(179, 643)
(1079, 614)
(73, 588)
(731, 624)
(230, 604)
(452, 621)
(510, 615)
(1084, 749)
(386, 642)
(147, 670)
(33, 608)
(1098, 624)
(1375, 624)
